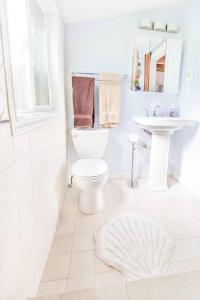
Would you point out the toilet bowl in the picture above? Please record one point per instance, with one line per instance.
(90, 176)
(90, 172)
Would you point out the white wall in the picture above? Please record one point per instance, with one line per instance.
(32, 181)
(187, 145)
(107, 46)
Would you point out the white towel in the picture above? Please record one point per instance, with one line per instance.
(109, 99)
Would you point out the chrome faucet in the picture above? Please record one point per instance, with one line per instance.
(156, 111)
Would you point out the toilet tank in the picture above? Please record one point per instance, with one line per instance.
(90, 143)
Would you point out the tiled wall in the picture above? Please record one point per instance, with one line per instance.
(32, 180)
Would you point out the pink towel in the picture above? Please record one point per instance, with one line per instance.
(83, 101)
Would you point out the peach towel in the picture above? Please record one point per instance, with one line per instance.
(109, 99)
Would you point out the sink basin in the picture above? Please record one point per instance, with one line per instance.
(162, 123)
(161, 128)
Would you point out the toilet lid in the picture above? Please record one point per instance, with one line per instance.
(89, 168)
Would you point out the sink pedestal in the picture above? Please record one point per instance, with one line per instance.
(158, 169)
(161, 128)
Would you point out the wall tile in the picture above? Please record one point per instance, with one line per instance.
(12, 276)
(21, 146)
(32, 168)
(57, 267)
(52, 287)
(24, 186)
(6, 149)
(9, 217)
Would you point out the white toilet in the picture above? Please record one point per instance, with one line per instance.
(90, 172)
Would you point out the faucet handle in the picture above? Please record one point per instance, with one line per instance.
(156, 111)
(145, 112)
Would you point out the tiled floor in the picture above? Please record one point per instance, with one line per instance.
(74, 273)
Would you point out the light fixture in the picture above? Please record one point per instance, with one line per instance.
(172, 27)
(159, 26)
(146, 24)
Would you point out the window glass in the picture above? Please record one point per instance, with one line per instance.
(28, 51)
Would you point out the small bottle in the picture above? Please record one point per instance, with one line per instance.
(172, 112)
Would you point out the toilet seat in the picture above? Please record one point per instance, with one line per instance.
(89, 169)
(92, 179)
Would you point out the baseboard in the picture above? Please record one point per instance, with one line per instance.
(119, 175)
(174, 174)
(126, 175)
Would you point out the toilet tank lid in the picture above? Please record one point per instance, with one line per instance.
(88, 130)
(89, 168)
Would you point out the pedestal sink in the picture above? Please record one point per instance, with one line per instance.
(161, 128)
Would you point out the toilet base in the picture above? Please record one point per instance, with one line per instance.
(91, 202)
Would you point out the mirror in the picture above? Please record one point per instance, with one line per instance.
(156, 65)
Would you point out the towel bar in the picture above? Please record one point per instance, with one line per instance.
(124, 77)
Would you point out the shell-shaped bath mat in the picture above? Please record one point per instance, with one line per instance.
(136, 245)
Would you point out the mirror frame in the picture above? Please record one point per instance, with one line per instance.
(175, 85)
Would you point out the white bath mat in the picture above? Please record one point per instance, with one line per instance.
(136, 245)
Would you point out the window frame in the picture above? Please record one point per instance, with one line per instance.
(22, 121)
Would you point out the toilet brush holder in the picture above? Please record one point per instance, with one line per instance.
(133, 183)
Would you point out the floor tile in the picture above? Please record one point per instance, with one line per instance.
(65, 225)
(57, 267)
(84, 225)
(160, 205)
(178, 231)
(195, 263)
(190, 248)
(178, 254)
(87, 294)
(146, 207)
(194, 228)
(83, 241)
(62, 244)
(168, 217)
(69, 205)
(80, 283)
(193, 277)
(52, 287)
(99, 221)
(176, 210)
(189, 215)
(182, 266)
(54, 297)
(143, 290)
(176, 287)
(113, 292)
(82, 264)
(101, 267)
(109, 278)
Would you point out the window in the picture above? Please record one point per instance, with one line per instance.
(3, 88)
(29, 42)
